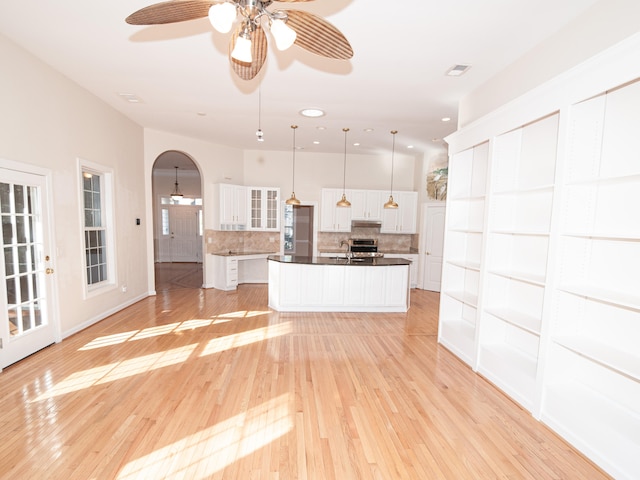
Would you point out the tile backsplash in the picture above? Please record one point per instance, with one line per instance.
(386, 242)
(221, 241)
(218, 241)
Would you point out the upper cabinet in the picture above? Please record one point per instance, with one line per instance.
(332, 217)
(403, 219)
(264, 208)
(369, 205)
(366, 204)
(231, 213)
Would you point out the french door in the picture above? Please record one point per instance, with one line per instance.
(25, 294)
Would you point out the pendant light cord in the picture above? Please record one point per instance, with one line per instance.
(344, 171)
(393, 151)
(293, 176)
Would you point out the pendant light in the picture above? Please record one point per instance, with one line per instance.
(176, 195)
(391, 203)
(343, 202)
(293, 200)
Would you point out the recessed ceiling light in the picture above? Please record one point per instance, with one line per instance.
(446, 119)
(457, 70)
(368, 130)
(409, 146)
(356, 144)
(316, 142)
(312, 112)
(202, 114)
(321, 128)
(130, 97)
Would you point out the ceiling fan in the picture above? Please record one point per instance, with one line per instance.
(248, 45)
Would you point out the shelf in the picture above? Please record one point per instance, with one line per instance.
(622, 362)
(511, 371)
(600, 428)
(518, 319)
(521, 276)
(467, 298)
(621, 237)
(524, 191)
(614, 180)
(527, 233)
(607, 296)
(470, 198)
(467, 264)
(466, 230)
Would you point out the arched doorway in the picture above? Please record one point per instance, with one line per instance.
(177, 222)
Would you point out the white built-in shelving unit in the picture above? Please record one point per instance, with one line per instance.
(461, 268)
(522, 186)
(541, 268)
(592, 393)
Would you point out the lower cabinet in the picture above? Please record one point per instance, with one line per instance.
(230, 271)
(338, 288)
(413, 268)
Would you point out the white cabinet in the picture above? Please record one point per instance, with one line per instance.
(366, 204)
(225, 272)
(403, 219)
(413, 268)
(332, 217)
(231, 213)
(264, 208)
(295, 287)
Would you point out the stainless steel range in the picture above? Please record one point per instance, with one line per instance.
(365, 248)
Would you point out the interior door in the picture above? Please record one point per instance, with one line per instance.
(433, 246)
(186, 241)
(26, 293)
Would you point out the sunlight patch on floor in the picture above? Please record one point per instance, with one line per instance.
(242, 339)
(204, 453)
(158, 330)
(116, 371)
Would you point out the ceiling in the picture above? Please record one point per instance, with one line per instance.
(396, 79)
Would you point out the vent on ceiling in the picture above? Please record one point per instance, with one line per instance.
(457, 70)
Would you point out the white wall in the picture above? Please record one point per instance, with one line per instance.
(603, 25)
(49, 122)
(315, 171)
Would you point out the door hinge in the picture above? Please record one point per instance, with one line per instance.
(1, 347)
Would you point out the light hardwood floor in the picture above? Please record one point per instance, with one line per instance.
(198, 384)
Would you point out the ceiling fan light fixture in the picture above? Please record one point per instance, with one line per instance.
(242, 49)
(222, 15)
(282, 34)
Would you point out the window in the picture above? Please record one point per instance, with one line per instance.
(95, 241)
(97, 227)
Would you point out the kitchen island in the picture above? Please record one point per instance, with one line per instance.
(338, 284)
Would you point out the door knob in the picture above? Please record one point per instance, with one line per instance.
(428, 253)
(49, 271)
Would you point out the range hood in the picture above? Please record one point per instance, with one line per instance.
(366, 223)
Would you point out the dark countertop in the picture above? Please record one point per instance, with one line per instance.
(239, 253)
(338, 261)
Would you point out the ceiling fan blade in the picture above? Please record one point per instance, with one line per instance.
(318, 36)
(171, 12)
(247, 71)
